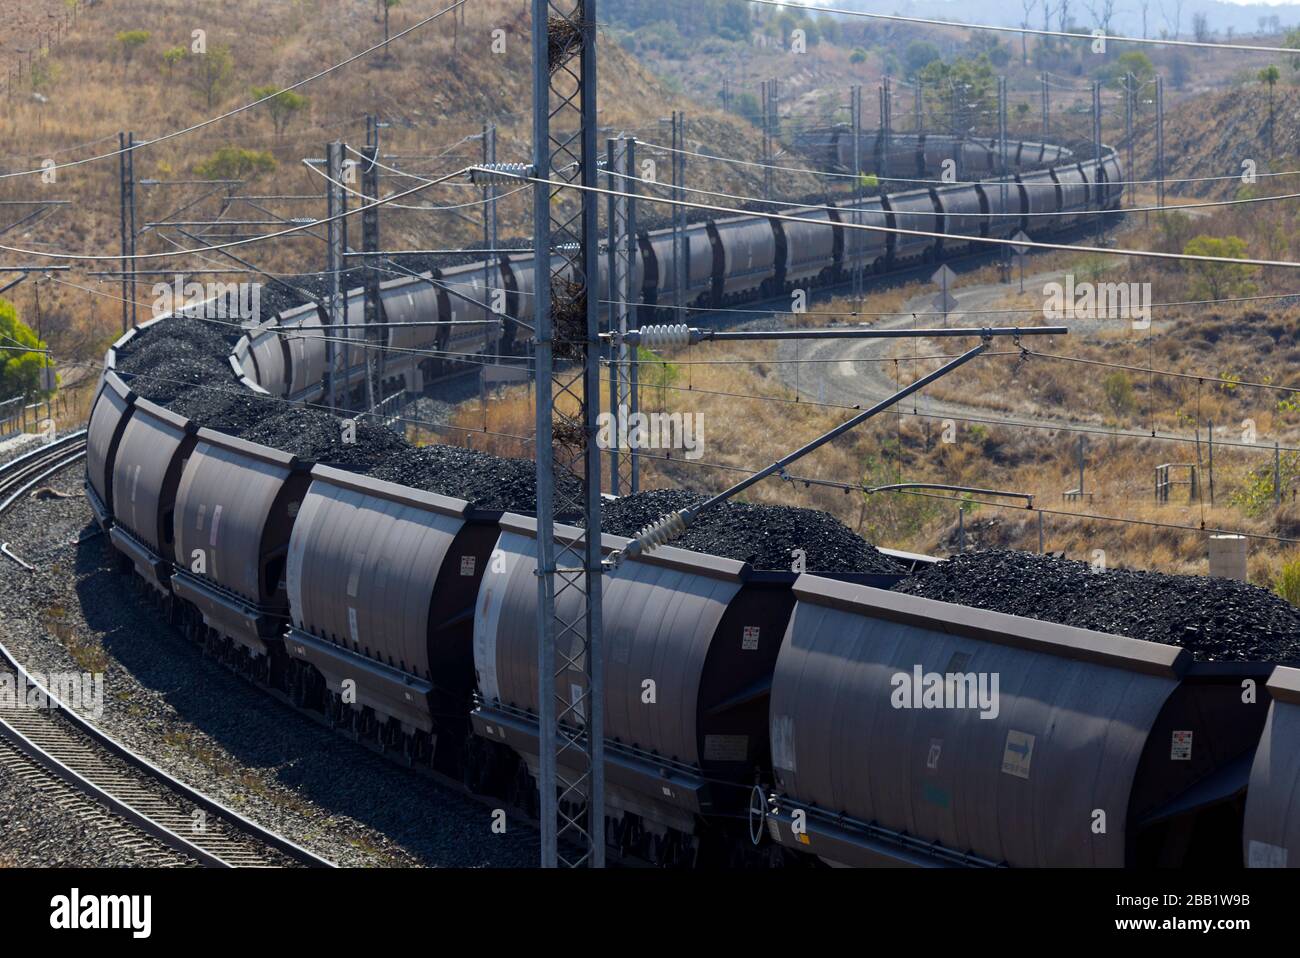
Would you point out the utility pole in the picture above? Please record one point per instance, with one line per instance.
(370, 246)
(1160, 142)
(767, 140)
(1098, 220)
(490, 239)
(126, 213)
(958, 134)
(886, 115)
(571, 765)
(918, 107)
(1003, 165)
(774, 100)
(334, 206)
(1045, 96)
(855, 236)
(1129, 94)
(681, 248)
(621, 253)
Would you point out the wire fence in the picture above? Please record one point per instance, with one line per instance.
(19, 416)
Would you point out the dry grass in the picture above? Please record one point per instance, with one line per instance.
(88, 653)
(440, 84)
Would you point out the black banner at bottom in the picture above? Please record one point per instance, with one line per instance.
(336, 907)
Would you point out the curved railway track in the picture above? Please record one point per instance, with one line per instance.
(89, 774)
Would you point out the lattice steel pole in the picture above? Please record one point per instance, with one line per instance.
(334, 246)
(370, 246)
(1003, 170)
(681, 249)
(126, 181)
(631, 294)
(621, 250)
(490, 243)
(855, 236)
(571, 727)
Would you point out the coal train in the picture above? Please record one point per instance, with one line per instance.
(752, 717)
(730, 259)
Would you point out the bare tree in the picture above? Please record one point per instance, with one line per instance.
(1201, 27)
(1172, 23)
(1063, 15)
(1102, 12)
(1145, 5)
(1028, 7)
(1047, 20)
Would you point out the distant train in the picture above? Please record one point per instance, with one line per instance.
(730, 260)
(774, 734)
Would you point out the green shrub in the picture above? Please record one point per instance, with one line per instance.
(1286, 582)
(235, 163)
(20, 372)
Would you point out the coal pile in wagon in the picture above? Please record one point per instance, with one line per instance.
(178, 336)
(225, 405)
(320, 437)
(182, 375)
(764, 536)
(1214, 619)
(484, 480)
(173, 357)
(275, 299)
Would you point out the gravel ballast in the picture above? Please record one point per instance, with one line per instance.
(68, 832)
(1215, 619)
(764, 536)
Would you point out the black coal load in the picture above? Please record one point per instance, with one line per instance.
(225, 405)
(484, 480)
(275, 299)
(1214, 619)
(321, 437)
(177, 336)
(764, 536)
(181, 375)
(174, 357)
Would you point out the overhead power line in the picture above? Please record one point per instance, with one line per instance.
(240, 109)
(86, 257)
(1098, 35)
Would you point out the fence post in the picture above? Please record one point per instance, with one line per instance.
(1277, 473)
(1211, 444)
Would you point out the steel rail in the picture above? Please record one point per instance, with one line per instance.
(57, 748)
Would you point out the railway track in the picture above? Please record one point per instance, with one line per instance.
(86, 773)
